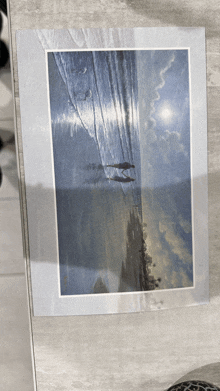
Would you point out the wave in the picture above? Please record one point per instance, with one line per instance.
(102, 89)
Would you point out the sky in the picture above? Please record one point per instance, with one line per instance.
(164, 110)
(164, 91)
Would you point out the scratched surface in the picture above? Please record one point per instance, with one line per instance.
(146, 351)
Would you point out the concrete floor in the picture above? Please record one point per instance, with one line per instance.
(15, 356)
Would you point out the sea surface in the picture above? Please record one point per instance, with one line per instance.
(94, 125)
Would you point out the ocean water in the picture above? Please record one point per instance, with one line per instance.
(94, 125)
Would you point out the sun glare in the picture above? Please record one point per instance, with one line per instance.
(166, 113)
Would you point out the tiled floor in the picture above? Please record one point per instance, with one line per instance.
(15, 350)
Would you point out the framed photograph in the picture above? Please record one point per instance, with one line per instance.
(115, 156)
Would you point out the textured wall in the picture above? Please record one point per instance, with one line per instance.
(147, 351)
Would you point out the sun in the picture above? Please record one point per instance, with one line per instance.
(166, 113)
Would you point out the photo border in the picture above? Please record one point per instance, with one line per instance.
(32, 48)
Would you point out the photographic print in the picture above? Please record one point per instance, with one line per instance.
(123, 183)
(115, 168)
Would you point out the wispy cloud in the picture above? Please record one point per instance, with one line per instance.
(170, 142)
(159, 86)
(177, 245)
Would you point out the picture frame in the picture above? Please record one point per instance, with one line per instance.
(43, 55)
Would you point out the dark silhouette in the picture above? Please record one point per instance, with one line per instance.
(136, 269)
(122, 166)
(126, 176)
(122, 179)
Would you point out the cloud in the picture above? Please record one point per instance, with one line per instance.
(164, 70)
(166, 142)
(175, 242)
(170, 143)
(174, 279)
(186, 225)
(177, 246)
(159, 85)
(185, 281)
(167, 248)
(178, 279)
